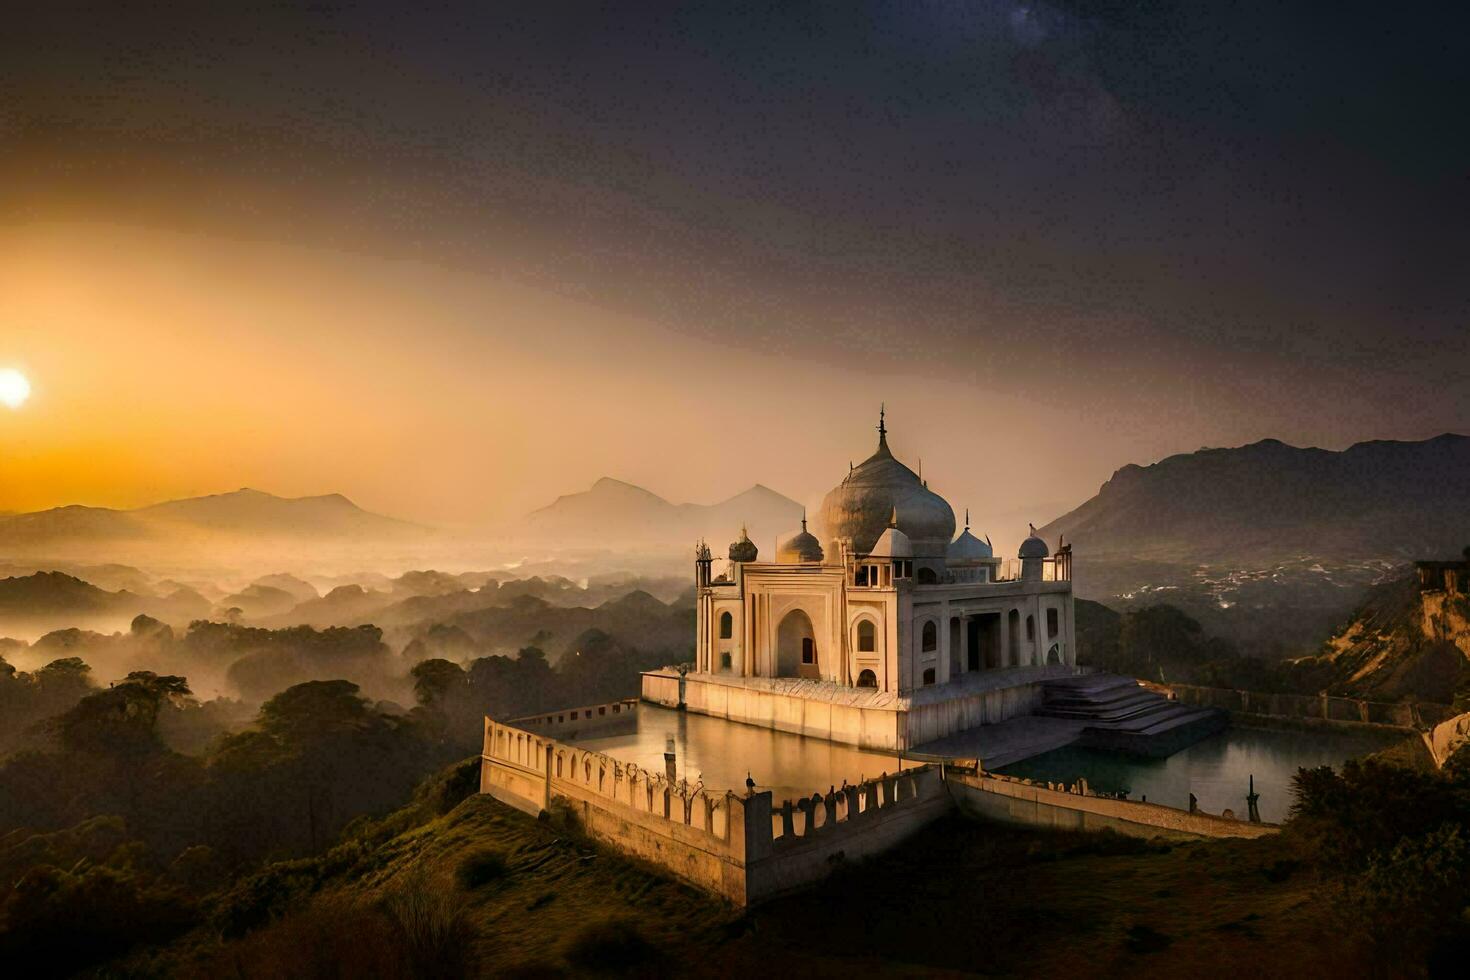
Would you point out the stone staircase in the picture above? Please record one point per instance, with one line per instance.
(1121, 715)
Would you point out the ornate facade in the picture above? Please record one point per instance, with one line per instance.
(884, 596)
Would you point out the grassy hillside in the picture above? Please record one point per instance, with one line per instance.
(1399, 643)
(486, 890)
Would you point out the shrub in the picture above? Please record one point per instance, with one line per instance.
(332, 937)
(1413, 897)
(610, 945)
(433, 929)
(1370, 806)
(63, 921)
(481, 868)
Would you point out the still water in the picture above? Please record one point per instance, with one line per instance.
(721, 753)
(1216, 770)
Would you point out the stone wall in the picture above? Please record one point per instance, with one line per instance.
(747, 850)
(813, 835)
(737, 847)
(698, 836)
(1411, 715)
(852, 716)
(581, 722)
(1031, 804)
(866, 726)
(926, 723)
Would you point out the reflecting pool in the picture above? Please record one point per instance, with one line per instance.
(1217, 770)
(721, 752)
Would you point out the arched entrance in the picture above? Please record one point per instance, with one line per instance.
(796, 646)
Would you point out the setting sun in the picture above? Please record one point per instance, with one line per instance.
(14, 388)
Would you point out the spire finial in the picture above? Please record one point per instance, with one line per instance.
(893, 519)
(967, 518)
(882, 426)
(803, 518)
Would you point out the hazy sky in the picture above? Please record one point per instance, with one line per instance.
(456, 260)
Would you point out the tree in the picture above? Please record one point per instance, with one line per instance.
(436, 681)
(314, 710)
(123, 718)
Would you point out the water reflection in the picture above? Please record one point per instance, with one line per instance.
(1216, 770)
(722, 752)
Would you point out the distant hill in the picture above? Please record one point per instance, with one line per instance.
(1374, 499)
(1269, 544)
(34, 604)
(616, 512)
(248, 511)
(243, 515)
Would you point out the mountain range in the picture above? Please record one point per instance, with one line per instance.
(1268, 499)
(1269, 544)
(616, 512)
(241, 515)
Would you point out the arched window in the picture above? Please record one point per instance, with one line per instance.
(1030, 627)
(727, 626)
(929, 677)
(931, 636)
(927, 576)
(867, 679)
(867, 636)
(1051, 623)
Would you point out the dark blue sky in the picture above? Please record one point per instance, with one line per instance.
(1259, 209)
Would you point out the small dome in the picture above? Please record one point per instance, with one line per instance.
(967, 547)
(802, 546)
(892, 543)
(744, 549)
(1034, 547)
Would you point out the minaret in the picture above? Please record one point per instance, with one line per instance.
(702, 561)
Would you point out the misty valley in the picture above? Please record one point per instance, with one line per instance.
(190, 752)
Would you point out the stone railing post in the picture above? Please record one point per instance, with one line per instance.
(748, 825)
(546, 780)
(851, 792)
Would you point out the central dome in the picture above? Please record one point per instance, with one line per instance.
(859, 508)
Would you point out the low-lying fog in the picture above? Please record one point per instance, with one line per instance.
(246, 629)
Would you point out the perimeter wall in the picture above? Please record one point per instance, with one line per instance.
(738, 847)
(1415, 715)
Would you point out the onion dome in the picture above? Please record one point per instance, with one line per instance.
(1034, 547)
(744, 549)
(858, 508)
(802, 546)
(967, 547)
(892, 543)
